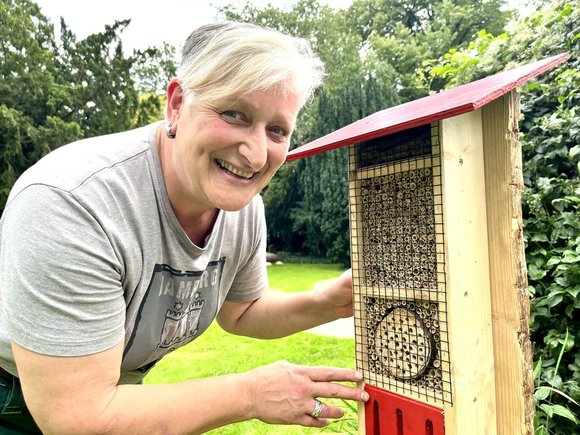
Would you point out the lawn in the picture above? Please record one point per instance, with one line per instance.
(216, 352)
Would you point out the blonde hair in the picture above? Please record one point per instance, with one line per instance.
(232, 59)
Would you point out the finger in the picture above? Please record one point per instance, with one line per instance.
(330, 374)
(325, 410)
(339, 391)
(310, 421)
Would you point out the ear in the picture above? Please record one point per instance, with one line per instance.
(175, 100)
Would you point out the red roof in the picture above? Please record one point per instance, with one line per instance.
(452, 102)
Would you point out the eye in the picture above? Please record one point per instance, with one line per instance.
(279, 133)
(233, 114)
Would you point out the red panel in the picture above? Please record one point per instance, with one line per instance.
(387, 413)
(452, 102)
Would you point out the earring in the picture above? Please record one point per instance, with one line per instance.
(168, 131)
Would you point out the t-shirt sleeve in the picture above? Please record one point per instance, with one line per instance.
(60, 276)
(251, 280)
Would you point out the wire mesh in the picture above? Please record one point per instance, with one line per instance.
(398, 260)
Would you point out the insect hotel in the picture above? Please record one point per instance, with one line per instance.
(439, 274)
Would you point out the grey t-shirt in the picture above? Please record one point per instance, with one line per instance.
(91, 253)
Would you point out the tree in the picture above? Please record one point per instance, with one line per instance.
(54, 92)
(31, 93)
(403, 34)
(97, 73)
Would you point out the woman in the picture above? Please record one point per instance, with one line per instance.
(118, 249)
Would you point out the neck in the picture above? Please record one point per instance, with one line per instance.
(198, 228)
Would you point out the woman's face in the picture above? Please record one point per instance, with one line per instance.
(226, 151)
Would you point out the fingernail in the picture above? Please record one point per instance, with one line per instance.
(364, 396)
(358, 376)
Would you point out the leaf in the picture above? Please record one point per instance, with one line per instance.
(547, 409)
(554, 300)
(539, 237)
(536, 273)
(562, 411)
(554, 390)
(538, 369)
(573, 291)
(542, 393)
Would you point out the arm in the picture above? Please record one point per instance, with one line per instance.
(69, 395)
(277, 314)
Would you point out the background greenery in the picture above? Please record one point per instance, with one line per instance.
(379, 53)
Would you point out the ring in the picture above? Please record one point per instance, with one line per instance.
(317, 409)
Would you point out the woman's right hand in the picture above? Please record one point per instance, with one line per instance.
(286, 393)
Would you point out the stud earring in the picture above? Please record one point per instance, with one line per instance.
(168, 131)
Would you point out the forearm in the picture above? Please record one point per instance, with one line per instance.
(278, 314)
(280, 393)
(189, 407)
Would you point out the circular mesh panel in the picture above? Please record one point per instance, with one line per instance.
(403, 343)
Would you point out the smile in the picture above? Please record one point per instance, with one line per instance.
(233, 170)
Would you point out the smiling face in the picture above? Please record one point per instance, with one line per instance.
(226, 151)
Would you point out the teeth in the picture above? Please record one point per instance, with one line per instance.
(235, 171)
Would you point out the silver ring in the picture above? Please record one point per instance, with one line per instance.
(317, 409)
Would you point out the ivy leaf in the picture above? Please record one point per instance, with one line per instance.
(554, 299)
(547, 409)
(542, 393)
(562, 411)
(536, 272)
(539, 237)
(573, 291)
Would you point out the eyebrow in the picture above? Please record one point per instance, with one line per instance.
(280, 117)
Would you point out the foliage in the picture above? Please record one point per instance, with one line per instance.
(551, 205)
(322, 212)
(402, 34)
(53, 92)
(31, 93)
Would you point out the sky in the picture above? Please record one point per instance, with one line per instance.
(153, 21)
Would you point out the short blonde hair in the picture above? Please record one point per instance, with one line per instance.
(232, 59)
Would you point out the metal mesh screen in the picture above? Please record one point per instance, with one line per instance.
(397, 245)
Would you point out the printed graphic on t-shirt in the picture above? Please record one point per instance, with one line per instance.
(177, 307)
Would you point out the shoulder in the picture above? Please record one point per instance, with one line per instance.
(71, 165)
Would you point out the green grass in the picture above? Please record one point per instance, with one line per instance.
(216, 353)
(298, 277)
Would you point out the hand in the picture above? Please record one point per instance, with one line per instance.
(285, 393)
(337, 294)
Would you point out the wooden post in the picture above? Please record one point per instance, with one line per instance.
(469, 303)
(509, 299)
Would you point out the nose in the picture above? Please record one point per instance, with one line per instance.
(254, 149)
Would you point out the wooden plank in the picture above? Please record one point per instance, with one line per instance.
(443, 105)
(509, 298)
(469, 306)
(362, 430)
